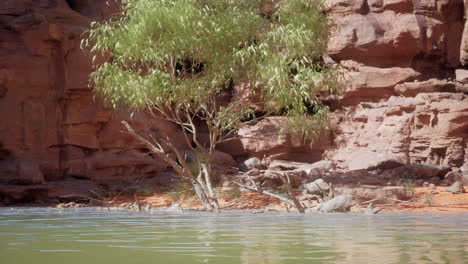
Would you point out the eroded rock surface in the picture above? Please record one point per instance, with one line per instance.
(404, 99)
(52, 125)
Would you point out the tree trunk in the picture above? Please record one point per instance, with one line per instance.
(201, 195)
(181, 169)
(209, 186)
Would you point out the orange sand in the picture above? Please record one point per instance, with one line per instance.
(258, 201)
(439, 198)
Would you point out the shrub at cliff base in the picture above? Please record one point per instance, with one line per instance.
(175, 58)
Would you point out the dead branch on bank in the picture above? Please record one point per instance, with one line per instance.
(290, 200)
(201, 185)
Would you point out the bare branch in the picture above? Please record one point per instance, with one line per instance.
(157, 150)
(265, 192)
(287, 181)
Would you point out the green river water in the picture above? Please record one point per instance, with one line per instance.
(90, 235)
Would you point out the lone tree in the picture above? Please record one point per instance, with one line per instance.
(175, 58)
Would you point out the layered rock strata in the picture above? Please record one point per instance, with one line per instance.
(404, 95)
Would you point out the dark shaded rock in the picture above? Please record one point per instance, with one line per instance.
(416, 171)
(355, 177)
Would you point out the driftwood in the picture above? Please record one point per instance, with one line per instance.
(290, 201)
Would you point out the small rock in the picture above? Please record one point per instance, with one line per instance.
(249, 164)
(426, 184)
(318, 186)
(322, 166)
(369, 210)
(431, 186)
(461, 75)
(259, 211)
(174, 208)
(456, 187)
(68, 205)
(124, 205)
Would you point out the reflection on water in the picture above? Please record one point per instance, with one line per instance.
(89, 236)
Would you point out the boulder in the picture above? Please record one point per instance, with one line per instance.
(374, 161)
(318, 167)
(251, 163)
(461, 75)
(317, 187)
(453, 177)
(456, 187)
(341, 203)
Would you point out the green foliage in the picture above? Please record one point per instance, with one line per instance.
(428, 201)
(145, 191)
(409, 184)
(183, 53)
(180, 191)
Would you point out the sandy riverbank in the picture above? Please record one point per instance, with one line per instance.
(425, 200)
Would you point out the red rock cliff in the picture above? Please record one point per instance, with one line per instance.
(404, 94)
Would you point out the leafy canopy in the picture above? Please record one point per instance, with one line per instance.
(183, 53)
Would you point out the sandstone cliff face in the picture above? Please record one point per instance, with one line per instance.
(400, 97)
(397, 56)
(52, 125)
